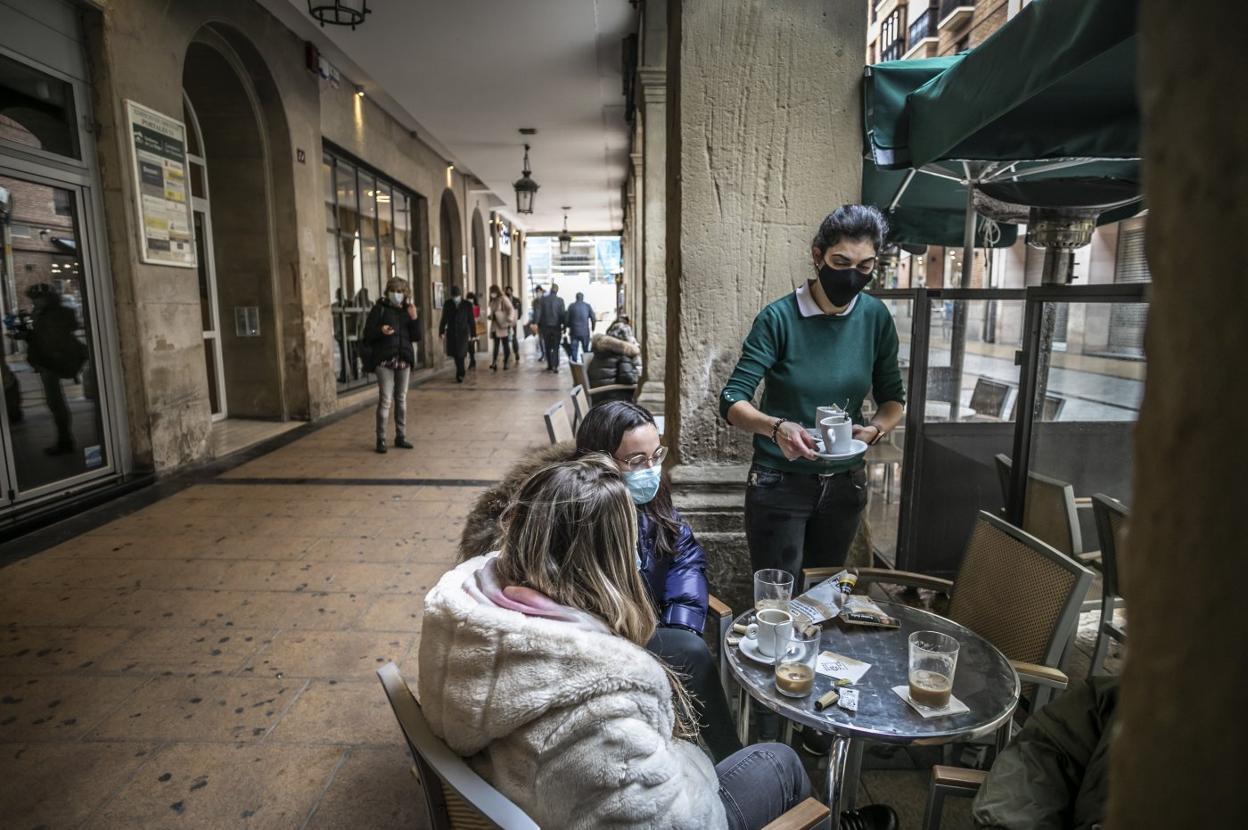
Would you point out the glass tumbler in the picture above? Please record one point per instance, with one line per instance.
(772, 589)
(933, 660)
(795, 667)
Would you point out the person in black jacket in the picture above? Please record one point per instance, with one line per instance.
(56, 353)
(457, 328)
(390, 332)
(616, 357)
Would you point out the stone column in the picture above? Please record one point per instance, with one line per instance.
(652, 116)
(763, 141)
(1177, 753)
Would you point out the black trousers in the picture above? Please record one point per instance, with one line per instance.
(688, 655)
(506, 341)
(460, 371)
(550, 339)
(795, 521)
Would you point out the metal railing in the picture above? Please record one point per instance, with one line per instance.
(894, 50)
(924, 26)
(947, 7)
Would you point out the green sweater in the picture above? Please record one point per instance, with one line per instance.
(815, 361)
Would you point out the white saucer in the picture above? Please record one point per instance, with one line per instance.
(857, 448)
(749, 647)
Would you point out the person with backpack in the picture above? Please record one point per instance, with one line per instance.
(56, 353)
(389, 337)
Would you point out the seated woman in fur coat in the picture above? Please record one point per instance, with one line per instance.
(671, 562)
(532, 666)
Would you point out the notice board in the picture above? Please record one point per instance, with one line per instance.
(160, 179)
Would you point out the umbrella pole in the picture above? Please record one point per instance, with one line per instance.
(957, 348)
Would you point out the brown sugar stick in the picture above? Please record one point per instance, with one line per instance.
(827, 700)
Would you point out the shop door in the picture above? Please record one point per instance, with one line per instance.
(54, 430)
(209, 310)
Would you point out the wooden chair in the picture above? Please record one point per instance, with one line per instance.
(580, 406)
(581, 378)
(558, 427)
(1111, 527)
(1012, 589)
(459, 799)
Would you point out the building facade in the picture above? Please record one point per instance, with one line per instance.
(199, 229)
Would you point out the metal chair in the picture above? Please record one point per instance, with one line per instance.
(581, 378)
(1111, 526)
(457, 798)
(1051, 511)
(580, 406)
(558, 427)
(1012, 589)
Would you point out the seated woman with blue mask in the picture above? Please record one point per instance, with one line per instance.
(671, 562)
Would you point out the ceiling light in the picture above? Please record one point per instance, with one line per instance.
(359, 91)
(526, 188)
(339, 12)
(565, 238)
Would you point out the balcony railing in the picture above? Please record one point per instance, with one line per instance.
(893, 51)
(955, 12)
(924, 26)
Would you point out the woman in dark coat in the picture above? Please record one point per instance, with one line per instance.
(672, 563)
(457, 329)
(390, 332)
(616, 360)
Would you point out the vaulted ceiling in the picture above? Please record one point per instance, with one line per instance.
(470, 73)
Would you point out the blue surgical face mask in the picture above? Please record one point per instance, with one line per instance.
(643, 484)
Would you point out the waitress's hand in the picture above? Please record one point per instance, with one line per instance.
(867, 434)
(411, 311)
(387, 330)
(795, 442)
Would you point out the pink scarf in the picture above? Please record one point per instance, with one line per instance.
(486, 588)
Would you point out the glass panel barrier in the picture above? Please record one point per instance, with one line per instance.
(884, 460)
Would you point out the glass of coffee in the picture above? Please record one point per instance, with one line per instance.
(772, 589)
(795, 667)
(933, 659)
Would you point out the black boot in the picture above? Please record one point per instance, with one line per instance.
(381, 445)
(494, 367)
(871, 817)
(816, 743)
(401, 442)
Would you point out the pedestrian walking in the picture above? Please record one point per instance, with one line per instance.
(56, 353)
(456, 329)
(551, 315)
(516, 310)
(474, 343)
(390, 334)
(502, 326)
(580, 321)
(538, 294)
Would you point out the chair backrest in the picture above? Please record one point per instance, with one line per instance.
(1049, 512)
(1111, 529)
(580, 406)
(558, 427)
(990, 398)
(579, 375)
(458, 798)
(1017, 592)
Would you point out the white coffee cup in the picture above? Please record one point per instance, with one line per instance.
(822, 412)
(838, 434)
(772, 628)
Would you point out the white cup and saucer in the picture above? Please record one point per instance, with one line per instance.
(835, 437)
(766, 638)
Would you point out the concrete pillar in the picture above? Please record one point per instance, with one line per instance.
(654, 232)
(763, 141)
(1177, 754)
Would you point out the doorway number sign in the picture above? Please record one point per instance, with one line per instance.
(160, 179)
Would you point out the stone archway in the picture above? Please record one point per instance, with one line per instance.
(451, 243)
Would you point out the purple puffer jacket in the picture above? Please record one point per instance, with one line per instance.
(677, 583)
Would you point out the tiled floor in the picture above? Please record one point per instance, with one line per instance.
(208, 661)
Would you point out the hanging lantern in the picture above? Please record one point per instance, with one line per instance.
(339, 12)
(565, 238)
(526, 188)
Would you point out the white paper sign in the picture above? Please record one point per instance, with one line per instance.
(840, 667)
(162, 188)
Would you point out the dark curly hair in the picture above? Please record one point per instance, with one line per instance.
(854, 222)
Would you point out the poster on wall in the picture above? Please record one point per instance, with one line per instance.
(504, 238)
(439, 295)
(160, 180)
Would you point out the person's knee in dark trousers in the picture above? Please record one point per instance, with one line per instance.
(688, 654)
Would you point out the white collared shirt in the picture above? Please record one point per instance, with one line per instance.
(809, 308)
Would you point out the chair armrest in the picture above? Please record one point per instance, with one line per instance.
(612, 387)
(804, 816)
(969, 780)
(1043, 675)
(1083, 503)
(717, 607)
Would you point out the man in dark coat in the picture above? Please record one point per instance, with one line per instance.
(550, 317)
(457, 329)
(56, 353)
(515, 304)
(580, 326)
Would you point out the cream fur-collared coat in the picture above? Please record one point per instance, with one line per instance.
(574, 726)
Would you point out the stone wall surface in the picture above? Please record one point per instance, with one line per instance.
(1181, 734)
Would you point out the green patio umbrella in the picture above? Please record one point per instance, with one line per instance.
(923, 209)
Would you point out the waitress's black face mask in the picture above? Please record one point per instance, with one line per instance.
(842, 284)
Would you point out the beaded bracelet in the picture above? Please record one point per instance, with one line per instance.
(775, 428)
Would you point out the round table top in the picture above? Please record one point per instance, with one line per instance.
(984, 680)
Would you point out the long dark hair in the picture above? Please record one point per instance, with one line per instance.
(602, 431)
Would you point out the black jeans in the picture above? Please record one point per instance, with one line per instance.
(550, 339)
(760, 783)
(506, 342)
(689, 656)
(796, 520)
(459, 366)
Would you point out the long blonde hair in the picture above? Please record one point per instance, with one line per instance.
(570, 533)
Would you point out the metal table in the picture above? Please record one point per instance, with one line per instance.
(984, 681)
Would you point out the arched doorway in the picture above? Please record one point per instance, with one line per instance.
(481, 277)
(230, 186)
(451, 239)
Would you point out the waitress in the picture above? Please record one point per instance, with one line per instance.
(826, 343)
